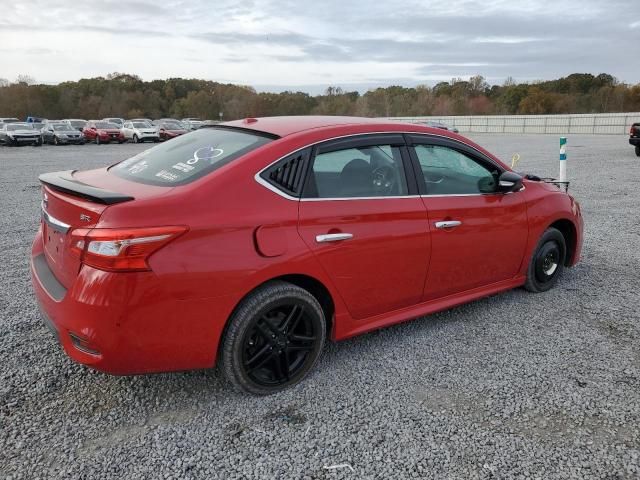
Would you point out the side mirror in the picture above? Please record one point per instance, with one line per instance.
(509, 182)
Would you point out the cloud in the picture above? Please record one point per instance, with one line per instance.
(285, 42)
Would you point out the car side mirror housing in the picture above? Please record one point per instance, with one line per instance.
(509, 182)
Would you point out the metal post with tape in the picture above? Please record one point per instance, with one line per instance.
(563, 159)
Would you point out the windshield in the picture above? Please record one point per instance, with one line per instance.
(141, 125)
(172, 126)
(19, 126)
(107, 125)
(189, 156)
(77, 123)
(61, 128)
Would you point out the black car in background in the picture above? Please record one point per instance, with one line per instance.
(634, 137)
(13, 134)
(61, 134)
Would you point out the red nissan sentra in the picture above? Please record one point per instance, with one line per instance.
(249, 243)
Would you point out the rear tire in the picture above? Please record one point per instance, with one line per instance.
(547, 262)
(273, 339)
(55, 141)
(638, 150)
(97, 139)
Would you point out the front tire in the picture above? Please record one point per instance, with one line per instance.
(273, 339)
(638, 150)
(97, 139)
(547, 262)
(55, 141)
(135, 139)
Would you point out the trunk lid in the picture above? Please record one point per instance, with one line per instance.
(76, 200)
(61, 214)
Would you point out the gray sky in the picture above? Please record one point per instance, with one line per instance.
(279, 44)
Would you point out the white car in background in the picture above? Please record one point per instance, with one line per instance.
(192, 123)
(115, 120)
(139, 132)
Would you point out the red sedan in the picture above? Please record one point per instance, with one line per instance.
(247, 244)
(102, 132)
(169, 130)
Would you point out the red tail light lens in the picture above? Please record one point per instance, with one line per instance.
(119, 250)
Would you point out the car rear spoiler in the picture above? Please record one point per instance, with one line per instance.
(64, 182)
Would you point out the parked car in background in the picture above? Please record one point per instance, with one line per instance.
(634, 137)
(77, 123)
(116, 120)
(169, 130)
(9, 120)
(440, 125)
(192, 123)
(343, 226)
(99, 132)
(147, 120)
(15, 134)
(35, 120)
(140, 132)
(61, 134)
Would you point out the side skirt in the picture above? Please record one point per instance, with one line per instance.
(345, 327)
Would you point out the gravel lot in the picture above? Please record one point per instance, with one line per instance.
(514, 386)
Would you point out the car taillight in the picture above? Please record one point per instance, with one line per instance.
(120, 250)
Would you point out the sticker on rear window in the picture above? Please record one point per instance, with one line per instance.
(165, 175)
(183, 167)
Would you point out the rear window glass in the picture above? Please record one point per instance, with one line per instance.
(188, 157)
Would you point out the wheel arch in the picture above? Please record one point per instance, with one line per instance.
(568, 230)
(307, 282)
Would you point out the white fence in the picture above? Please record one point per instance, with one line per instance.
(602, 124)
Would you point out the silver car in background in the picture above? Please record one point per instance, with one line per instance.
(14, 134)
(139, 132)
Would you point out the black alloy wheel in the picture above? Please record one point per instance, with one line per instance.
(273, 339)
(547, 262)
(278, 343)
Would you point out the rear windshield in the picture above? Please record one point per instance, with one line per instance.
(188, 157)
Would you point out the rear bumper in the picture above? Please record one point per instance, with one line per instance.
(126, 323)
(634, 141)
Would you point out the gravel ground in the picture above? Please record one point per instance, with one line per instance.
(513, 386)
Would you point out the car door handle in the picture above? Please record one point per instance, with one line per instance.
(448, 224)
(333, 237)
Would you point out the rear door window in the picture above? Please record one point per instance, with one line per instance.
(188, 157)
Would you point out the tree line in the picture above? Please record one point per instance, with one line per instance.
(125, 95)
